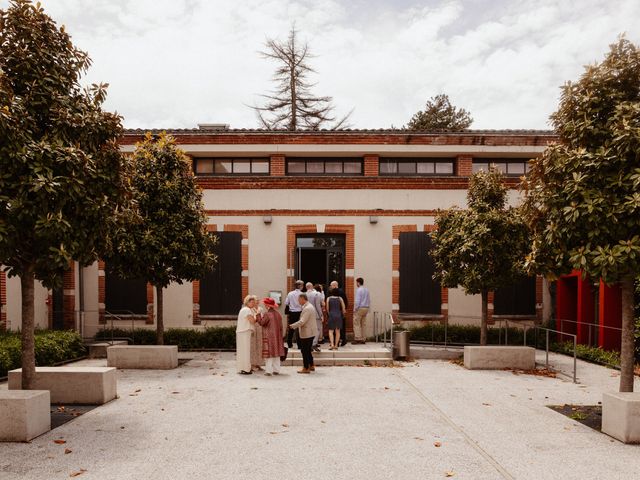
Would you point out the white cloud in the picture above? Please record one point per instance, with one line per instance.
(175, 63)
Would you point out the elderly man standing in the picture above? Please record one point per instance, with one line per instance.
(315, 299)
(293, 308)
(360, 311)
(307, 331)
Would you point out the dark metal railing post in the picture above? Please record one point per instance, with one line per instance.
(575, 357)
(547, 348)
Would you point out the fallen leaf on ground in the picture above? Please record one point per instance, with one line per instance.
(486, 404)
(138, 390)
(418, 438)
(78, 473)
(67, 451)
(437, 444)
(175, 392)
(60, 442)
(254, 388)
(61, 409)
(285, 425)
(449, 474)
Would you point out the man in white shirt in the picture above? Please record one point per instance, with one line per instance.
(293, 308)
(360, 311)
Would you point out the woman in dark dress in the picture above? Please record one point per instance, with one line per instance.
(336, 310)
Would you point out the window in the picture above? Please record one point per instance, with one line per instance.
(221, 289)
(125, 296)
(416, 166)
(231, 166)
(519, 298)
(324, 166)
(508, 166)
(419, 292)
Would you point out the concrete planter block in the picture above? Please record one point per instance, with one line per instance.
(99, 349)
(621, 416)
(158, 357)
(495, 357)
(72, 385)
(24, 414)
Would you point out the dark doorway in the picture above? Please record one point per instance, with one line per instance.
(419, 292)
(320, 259)
(221, 289)
(57, 307)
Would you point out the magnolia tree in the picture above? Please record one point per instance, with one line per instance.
(482, 248)
(167, 242)
(583, 194)
(61, 172)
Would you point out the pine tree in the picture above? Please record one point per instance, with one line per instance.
(439, 114)
(292, 106)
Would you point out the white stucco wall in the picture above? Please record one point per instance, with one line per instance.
(14, 304)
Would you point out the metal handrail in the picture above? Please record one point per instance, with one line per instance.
(113, 315)
(575, 348)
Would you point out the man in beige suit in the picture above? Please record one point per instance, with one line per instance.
(308, 329)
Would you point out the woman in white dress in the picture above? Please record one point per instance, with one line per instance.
(244, 333)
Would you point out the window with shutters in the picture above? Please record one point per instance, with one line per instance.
(221, 289)
(125, 296)
(519, 298)
(419, 292)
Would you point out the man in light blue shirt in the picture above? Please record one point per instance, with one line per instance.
(360, 311)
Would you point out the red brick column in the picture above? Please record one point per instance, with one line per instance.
(3, 301)
(371, 165)
(464, 165)
(277, 168)
(101, 293)
(69, 297)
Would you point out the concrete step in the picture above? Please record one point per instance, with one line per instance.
(339, 361)
(370, 353)
(99, 349)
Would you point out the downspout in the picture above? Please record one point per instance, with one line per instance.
(81, 295)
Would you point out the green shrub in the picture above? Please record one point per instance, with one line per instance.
(465, 334)
(211, 338)
(590, 354)
(51, 347)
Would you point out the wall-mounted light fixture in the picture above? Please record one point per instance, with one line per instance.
(373, 219)
(267, 219)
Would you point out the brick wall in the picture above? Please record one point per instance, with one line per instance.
(3, 301)
(464, 165)
(371, 165)
(277, 166)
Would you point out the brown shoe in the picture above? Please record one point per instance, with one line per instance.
(312, 368)
(304, 370)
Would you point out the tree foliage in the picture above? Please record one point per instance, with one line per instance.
(481, 248)
(583, 194)
(440, 114)
(292, 105)
(62, 177)
(167, 242)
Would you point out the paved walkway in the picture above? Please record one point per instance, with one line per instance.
(203, 421)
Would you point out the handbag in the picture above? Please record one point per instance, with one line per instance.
(286, 352)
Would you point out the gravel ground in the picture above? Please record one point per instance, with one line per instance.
(428, 419)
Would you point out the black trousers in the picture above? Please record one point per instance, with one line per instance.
(305, 348)
(292, 318)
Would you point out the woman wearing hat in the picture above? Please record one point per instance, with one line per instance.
(244, 331)
(272, 343)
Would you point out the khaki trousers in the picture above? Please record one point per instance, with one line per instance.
(243, 351)
(360, 323)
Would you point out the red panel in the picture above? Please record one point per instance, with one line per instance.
(610, 313)
(566, 304)
(586, 311)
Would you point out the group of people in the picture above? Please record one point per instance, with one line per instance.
(259, 332)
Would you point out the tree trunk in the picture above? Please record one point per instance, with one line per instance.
(28, 341)
(160, 318)
(485, 315)
(627, 347)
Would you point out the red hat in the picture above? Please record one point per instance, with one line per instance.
(269, 301)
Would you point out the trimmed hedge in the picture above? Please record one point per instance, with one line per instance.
(466, 334)
(51, 347)
(211, 338)
(590, 354)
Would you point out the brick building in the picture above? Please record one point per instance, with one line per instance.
(320, 206)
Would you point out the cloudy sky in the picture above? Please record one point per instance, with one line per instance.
(176, 63)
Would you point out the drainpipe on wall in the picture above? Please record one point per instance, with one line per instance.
(81, 295)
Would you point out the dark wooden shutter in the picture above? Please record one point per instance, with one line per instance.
(419, 293)
(125, 296)
(221, 290)
(519, 298)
